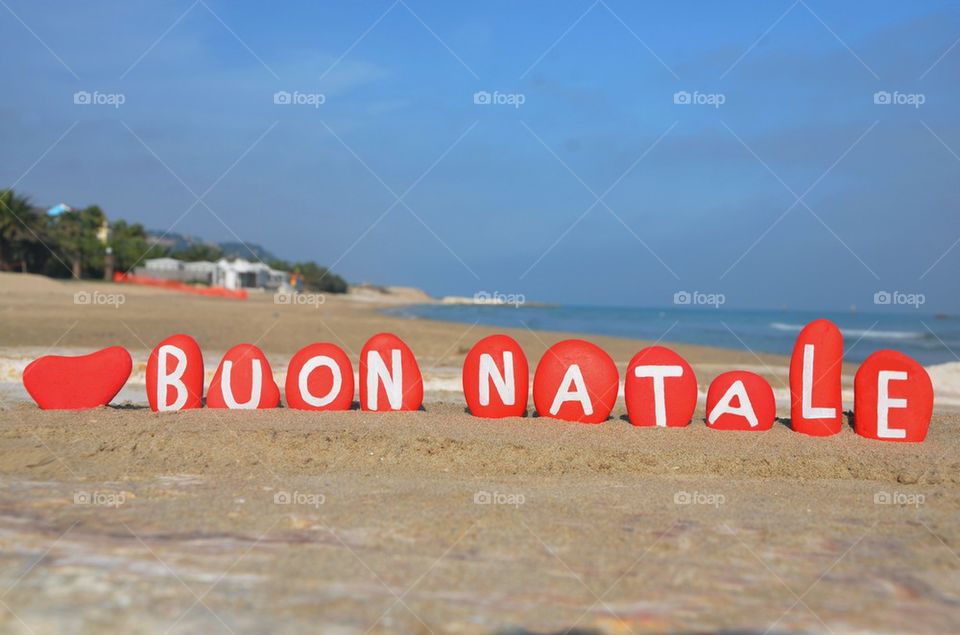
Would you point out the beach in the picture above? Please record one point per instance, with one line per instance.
(120, 519)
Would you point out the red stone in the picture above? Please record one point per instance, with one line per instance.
(320, 377)
(892, 397)
(726, 393)
(389, 376)
(504, 368)
(182, 375)
(575, 381)
(249, 374)
(59, 382)
(819, 412)
(665, 393)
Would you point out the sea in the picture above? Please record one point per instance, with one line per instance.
(930, 339)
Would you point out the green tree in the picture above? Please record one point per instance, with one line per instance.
(11, 206)
(25, 240)
(76, 234)
(317, 278)
(131, 245)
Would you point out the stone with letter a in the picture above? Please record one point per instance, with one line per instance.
(740, 400)
(660, 389)
(496, 378)
(390, 378)
(320, 377)
(175, 375)
(243, 381)
(61, 382)
(816, 368)
(892, 398)
(575, 381)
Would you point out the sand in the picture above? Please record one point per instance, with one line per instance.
(120, 520)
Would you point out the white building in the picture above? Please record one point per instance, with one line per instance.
(230, 274)
(164, 266)
(243, 274)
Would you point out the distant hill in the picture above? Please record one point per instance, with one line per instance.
(241, 250)
(231, 249)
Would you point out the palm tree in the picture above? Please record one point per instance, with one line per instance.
(18, 228)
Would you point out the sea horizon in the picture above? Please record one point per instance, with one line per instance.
(931, 338)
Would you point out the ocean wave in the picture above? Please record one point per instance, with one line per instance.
(859, 333)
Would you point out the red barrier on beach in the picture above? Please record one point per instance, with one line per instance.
(176, 285)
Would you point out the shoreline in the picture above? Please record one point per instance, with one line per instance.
(149, 315)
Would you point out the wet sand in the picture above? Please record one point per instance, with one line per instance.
(121, 520)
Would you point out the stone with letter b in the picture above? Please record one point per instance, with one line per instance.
(175, 375)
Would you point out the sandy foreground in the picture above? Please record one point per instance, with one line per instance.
(122, 520)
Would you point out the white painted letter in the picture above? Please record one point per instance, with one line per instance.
(257, 382)
(573, 377)
(658, 373)
(806, 397)
(490, 373)
(392, 381)
(173, 380)
(745, 409)
(302, 380)
(885, 403)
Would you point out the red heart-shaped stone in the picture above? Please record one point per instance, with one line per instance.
(175, 375)
(660, 389)
(320, 377)
(575, 381)
(60, 382)
(892, 398)
(496, 378)
(390, 378)
(740, 400)
(816, 369)
(243, 381)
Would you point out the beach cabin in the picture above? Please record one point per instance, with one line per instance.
(203, 272)
(230, 274)
(243, 274)
(161, 268)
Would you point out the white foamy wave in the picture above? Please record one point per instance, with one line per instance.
(858, 333)
(946, 383)
(790, 328)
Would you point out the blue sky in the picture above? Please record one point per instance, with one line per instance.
(503, 197)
